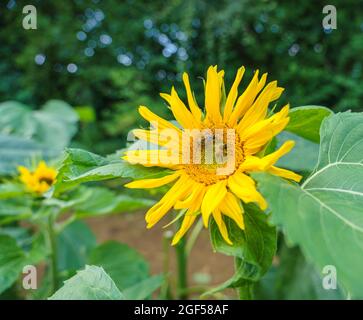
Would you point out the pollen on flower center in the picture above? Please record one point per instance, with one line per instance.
(214, 156)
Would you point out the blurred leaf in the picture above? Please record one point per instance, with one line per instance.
(14, 209)
(15, 151)
(294, 279)
(253, 247)
(92, 283)
(56, 124)
(11, 190)
(75, 242)
(124, 264)
(144, 289)
(12, 261)
(324, 215)
(305, 121)
(52, 126)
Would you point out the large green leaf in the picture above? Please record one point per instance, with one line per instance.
(253, 247)
(80, 166)
(124, 264)
(302, 157)
(92, 283)
(75, 242)
(144, 289)
(12, 261)
(324, 216)
(293, 278)
(305, 121)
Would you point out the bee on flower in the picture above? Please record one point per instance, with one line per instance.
(40, 180)
(200, 187)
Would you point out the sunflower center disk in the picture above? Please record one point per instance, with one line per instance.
(49, 181)
(212, 154)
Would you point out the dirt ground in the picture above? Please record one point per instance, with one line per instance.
(205, 266)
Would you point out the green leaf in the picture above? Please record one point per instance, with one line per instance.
(11, 190)
(144, 289)
(253, 247)
(75, 242)
(14, 210)
(293, 278)
(80, 166)
(324, 215)
(305, 121)
(12, 261)
(125, 265)
(52, 126)
(92, 283)
(15, 151)
(302, 158)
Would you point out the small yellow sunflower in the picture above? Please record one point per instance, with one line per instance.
(200, 189)
(40, 180)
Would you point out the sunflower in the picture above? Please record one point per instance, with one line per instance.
(40, 180)
(200, 189)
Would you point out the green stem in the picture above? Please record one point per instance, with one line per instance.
(181, 258)
(246, 291)
(165, 293)
(53, 254)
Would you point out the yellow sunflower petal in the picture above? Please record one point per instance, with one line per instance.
(214, 195)
(180, 111)
(213, 96)
(244, 188)
(232, 208)
(23, 170)
(273, 157)
(232, 95)
(152, 117)
(287, 174)
(191, 199)
(258, 110)
(153, 183)
(176, 192)
(194, 108)
(186, 224)
(245, 100)
(221, 226)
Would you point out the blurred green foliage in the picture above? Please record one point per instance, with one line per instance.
(113, 55)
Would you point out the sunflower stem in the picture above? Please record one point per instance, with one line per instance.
(246, 291)
(181, 258)
(165, 293)
(53, 253)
